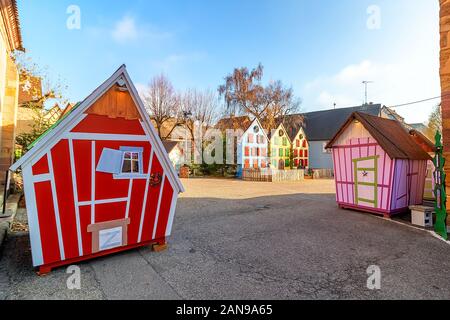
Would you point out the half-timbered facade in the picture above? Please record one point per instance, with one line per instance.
(300, 150)
(378, 166)
(99, 181)
(252, 147)
(280, 148)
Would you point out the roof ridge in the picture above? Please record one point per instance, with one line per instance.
(380, 132)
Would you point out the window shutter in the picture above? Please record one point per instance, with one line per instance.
(110, 161)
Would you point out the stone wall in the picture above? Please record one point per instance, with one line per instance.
(9, 117)
(445, 81)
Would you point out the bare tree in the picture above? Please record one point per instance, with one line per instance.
(244, 93)
(279, 101)
(199, 106)
(163, 105)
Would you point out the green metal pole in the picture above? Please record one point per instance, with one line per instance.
(439, 190)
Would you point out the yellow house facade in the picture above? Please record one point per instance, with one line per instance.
(280, 148)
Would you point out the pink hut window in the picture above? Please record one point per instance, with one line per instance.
(250, 138)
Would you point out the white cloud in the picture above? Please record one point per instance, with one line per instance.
(128, 30)
(402, 60)
(141, 88)
(393, 83)
(173, 61)
(125, 30)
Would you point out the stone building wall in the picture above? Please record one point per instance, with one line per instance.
(445, 82)
(9, 116)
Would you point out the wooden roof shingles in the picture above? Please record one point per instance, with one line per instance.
(390, 134)
(10, 16)
(234, 123)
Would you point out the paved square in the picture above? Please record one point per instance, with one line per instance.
(244, 240)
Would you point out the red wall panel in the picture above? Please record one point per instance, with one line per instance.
(66, 204)
(101, 124)
(110, 211)
(85, 221)
(82, 153)
(137, 198)
(41, 167)
(164, 211)
(47, 222)
(152, 203)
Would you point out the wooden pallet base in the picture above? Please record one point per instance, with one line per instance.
(159, 247)
(47, 268)
(385, 214)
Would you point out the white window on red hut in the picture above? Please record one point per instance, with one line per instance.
(125, 163)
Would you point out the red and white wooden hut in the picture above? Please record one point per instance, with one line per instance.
(378, 166)
(99, 181)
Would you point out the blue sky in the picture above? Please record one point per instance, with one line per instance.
(322, 48)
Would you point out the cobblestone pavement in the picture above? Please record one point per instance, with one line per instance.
(242, 240)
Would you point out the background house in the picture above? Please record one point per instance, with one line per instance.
(10, 40)
(251, 142)
(320, 127)
(300, 149)
(280, 148)
(30, 103)
(176, 154)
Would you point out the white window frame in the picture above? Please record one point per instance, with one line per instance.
(133, 175)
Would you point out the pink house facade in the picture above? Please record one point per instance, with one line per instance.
(378, 167)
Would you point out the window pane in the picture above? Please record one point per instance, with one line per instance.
(127, 155)
(126, 168)
(135, 166)
(135, 156)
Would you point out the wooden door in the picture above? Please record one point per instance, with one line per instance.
(366, 181)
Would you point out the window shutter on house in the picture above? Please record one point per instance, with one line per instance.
(110, 161)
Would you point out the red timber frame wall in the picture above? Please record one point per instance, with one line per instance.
(399, 183)
(69, 202)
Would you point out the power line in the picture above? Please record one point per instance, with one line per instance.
(420, 101)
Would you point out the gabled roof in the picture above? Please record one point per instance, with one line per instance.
(423, 140)
(322, 125)
(70, 119)
(390, 134)
(280, 126)
(10, 17)
(243, 123)
(293, 125)
(169, 145)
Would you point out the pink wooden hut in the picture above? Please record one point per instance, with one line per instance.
(378, 166)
